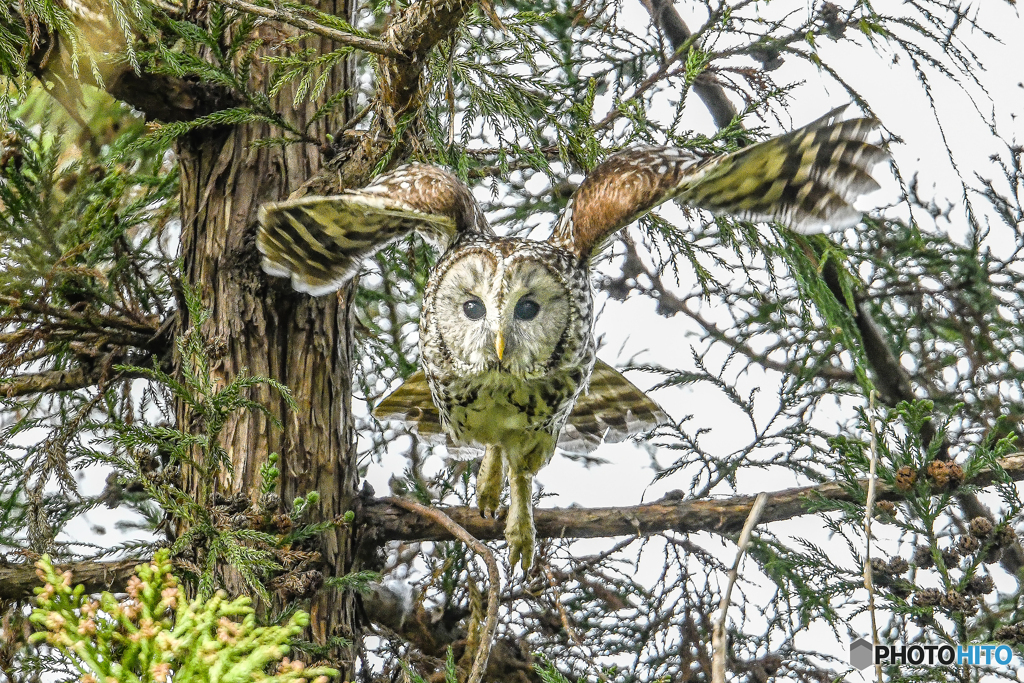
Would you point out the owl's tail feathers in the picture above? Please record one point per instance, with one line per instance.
(320, 242)
(611, 410)
(807, 179)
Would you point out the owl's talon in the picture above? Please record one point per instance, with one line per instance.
(520, 552)
(520, 542)
(513, 557)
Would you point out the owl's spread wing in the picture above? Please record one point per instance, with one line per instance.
(412, 403)
(807, 179)
(611, 410)
(320, 241)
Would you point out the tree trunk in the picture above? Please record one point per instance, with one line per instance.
(267, 329)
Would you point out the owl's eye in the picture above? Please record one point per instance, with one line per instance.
(474, 309)
(527, 309)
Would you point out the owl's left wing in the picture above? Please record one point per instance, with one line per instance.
(320, 242)
(807, 179)
(611, 410)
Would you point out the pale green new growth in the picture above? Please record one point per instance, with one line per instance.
(156, 635)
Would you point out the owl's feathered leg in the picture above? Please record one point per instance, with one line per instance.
(522, 467)
(519, 531)
(490, 480)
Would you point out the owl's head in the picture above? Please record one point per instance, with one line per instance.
(504, 305)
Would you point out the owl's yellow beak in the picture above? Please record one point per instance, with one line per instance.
(499, 345)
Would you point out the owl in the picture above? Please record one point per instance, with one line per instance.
(506, 333)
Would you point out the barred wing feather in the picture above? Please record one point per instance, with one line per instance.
(320, 242)
(807, 179)
(610, 410)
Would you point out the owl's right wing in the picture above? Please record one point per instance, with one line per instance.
(320, 242)
(807, 179)
(412, 404)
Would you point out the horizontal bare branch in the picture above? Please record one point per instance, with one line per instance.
(16, 583)
(388, 521)
(384, 519)
(54, 380)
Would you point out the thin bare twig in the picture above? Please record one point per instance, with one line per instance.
(868, 510)
(493, 589)
(664, 71)
(669, 303)
(718, 637)
(339, 37)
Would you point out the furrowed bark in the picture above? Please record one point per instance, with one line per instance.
(268, 329)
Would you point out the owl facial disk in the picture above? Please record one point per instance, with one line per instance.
(501, 312)
(467, 310)
(534, 314)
